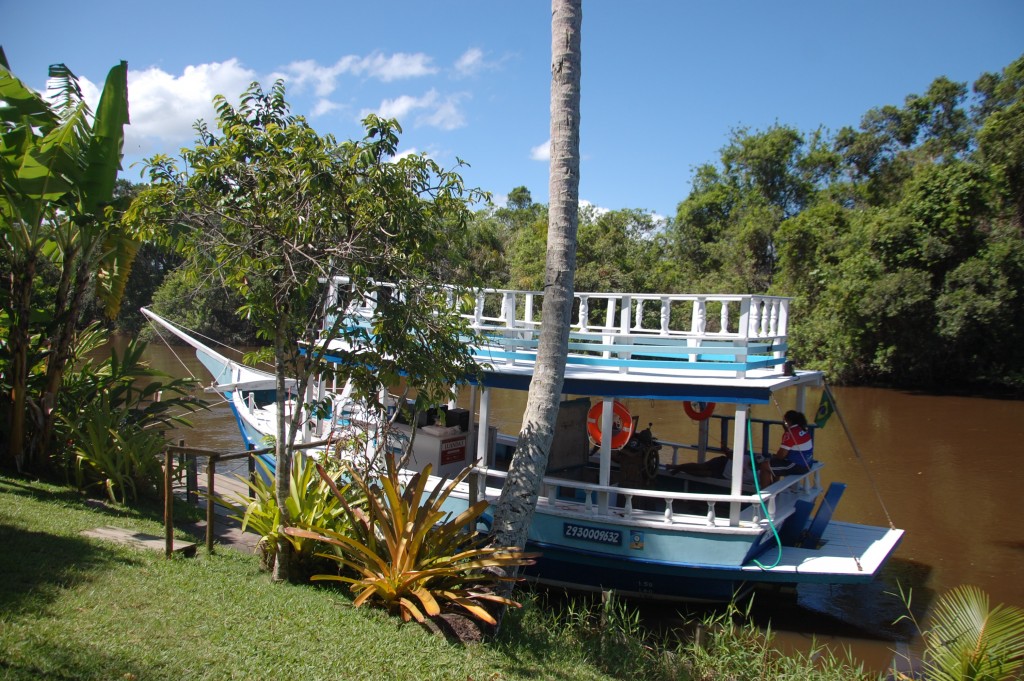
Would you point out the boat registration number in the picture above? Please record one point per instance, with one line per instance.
(594, 534)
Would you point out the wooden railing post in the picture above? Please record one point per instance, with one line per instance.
(251, 461)
(168, 504)
(211, 471)
(191, 477)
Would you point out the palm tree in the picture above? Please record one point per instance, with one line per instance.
(968, 641)
(518, 500)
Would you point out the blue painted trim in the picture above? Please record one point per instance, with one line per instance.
(637, 390)
(824, 515)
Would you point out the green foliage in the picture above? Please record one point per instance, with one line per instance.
(970, 641)
(271, 210)
(312, 505)
(112, 418)
(410, 555)
(112, 452)
(198, 304)
(620, 251)
(58, 168)
(900, 241)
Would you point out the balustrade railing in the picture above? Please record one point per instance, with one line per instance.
(595, 500)
(627, 331)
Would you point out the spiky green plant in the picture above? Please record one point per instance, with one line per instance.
(411, 556)
(311, 503)
(969, 641)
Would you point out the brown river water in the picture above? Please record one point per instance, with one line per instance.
(947, 470)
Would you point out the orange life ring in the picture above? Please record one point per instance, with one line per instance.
(699, 411)
(623, 424)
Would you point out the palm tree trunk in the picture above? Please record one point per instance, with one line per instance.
(519, 496)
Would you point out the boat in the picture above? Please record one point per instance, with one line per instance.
(616, 510)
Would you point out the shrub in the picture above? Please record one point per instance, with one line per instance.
(411, 556)
(312, 505)
(111, 420)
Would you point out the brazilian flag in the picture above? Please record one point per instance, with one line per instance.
(825, 409)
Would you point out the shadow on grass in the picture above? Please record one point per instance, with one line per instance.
(37, 566)
(60, 662)
(144, 509)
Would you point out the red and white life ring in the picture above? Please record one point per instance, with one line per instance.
(623, 424)
(699, 411)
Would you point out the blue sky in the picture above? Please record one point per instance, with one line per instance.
(663, 82)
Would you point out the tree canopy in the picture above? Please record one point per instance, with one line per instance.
(274, 211)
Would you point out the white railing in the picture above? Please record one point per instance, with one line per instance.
(597, 499)
(629, 331)
(687, 315)
(626, 331)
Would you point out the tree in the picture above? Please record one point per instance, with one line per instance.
(724, 232)
(1000, 113)
(273, 210)
(620, 250)
(58, 167)
(518, 501)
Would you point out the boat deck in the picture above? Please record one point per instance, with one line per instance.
(836, 560)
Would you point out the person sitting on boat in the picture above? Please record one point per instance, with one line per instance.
(721, 467)
(796, 453)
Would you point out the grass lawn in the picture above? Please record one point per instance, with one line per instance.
(78, 608)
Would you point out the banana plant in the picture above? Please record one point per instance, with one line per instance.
(58, 167)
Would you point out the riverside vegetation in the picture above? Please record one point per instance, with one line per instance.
(83, 609)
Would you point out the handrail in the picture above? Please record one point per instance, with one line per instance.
(688, 332)
(211, 469)
(550, 486)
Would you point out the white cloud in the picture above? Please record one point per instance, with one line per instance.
(592, 209)
(324, 79)
(307, 72)
(396, 66)
(403, 154)
(471, 61)
(446, 115)
(401, 106)
(431, 109)
(90, 92)
(163, 107)
(541, 152)
(323, 106)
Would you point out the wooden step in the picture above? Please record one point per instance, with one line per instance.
(139, 540)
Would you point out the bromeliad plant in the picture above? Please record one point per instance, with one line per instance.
(312, 505)
(411, 556)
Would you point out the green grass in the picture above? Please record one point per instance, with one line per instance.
(77, 608)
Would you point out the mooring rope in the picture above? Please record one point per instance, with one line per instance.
(173, 352)
(764, 508)
(856, 451)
